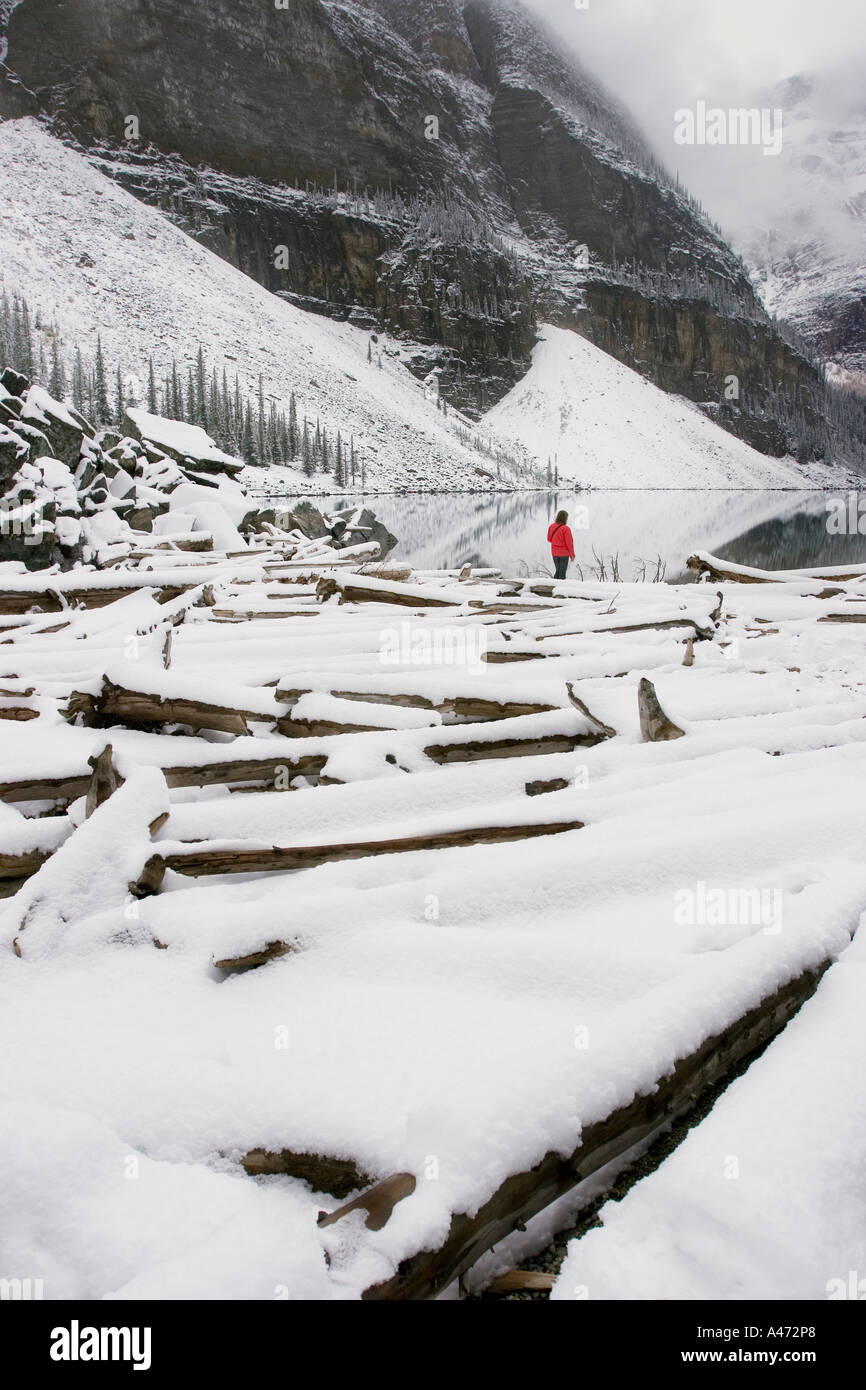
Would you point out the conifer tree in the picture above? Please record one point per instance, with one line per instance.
(176, 398)
(248, 441)
(152, 402)
(101, 407)
(261, 425)
(79, 390)
(57, 380)
(200, 416)
(119, 407)
(293, 427)
(308, 461)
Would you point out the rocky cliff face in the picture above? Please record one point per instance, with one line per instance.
(431, 166)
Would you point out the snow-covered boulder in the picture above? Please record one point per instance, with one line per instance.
(62, 426)
(186, 444)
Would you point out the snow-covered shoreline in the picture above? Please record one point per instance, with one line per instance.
(398, 982)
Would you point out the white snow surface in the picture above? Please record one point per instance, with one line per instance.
(610, 427)
(416, 978)
(766, 1198)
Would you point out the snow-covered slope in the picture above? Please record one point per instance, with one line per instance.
(609, 427)
(88, 254)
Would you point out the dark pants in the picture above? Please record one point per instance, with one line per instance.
(561, 563)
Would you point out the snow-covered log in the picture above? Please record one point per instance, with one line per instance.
(524, 1194)
(202, 860)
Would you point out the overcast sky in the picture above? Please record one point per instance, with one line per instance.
(661, 55)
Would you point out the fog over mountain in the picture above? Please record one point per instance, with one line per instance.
(799, 220)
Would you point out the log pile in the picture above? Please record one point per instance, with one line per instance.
(187, 717)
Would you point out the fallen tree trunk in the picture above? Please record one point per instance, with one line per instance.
(141, 707)
(19, 867)
(336, 1176)
(700, 634)
(511, 747)
(503, 658)
(468, 707)
(21, 601)
(268, 769)
(357, 589)
(198, 860)
(525, 1194)
(720, 572)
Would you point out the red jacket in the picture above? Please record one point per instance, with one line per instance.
(561, 540)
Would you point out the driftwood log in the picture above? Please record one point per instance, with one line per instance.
(528, 747)
(604, 730)
(354, 590)
(556, 784)
(198, 860)
(104, 782)
(337, 1176)
(273, 951)
(718, 572)
(149, 882)
(466, 707)
(121, 704)
(21, 601)
(701, 634)
(378, 1202)
(238, 771)
(525, 1194)
(17, 868)
(517, 1280)
(655, 727)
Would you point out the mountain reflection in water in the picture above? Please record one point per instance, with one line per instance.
(770, 530)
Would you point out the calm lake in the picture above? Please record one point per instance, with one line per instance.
(645, 530)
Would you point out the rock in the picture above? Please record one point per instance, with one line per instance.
(142, 518)
(14, 450)
(310, 522)
(15, 99)
(188, 445)
(255, 521)
(369, 528)
(63, 429)
(14, 382)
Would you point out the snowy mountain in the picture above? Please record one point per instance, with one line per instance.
(92, 259)
(6, 8)
(463, 182)
(602, 422)
(808, 255)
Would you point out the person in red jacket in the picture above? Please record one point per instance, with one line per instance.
(561, 544)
